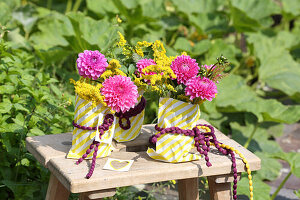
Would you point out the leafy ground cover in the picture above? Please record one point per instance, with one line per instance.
(40, 40)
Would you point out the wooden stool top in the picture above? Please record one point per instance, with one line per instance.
(51, 151)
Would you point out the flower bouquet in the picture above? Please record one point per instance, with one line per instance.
(109, 103)
(191, 87)
(99, 98)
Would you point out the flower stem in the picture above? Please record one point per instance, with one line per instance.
(281, 185)
(69, 6)
(76, 5)
(251, 136)
(154, 120)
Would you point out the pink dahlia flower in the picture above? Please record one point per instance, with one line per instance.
(201, 87)
(143, 63)
(184, 67)
(91, 64)
(120, 93)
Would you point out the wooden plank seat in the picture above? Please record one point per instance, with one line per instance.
(51, 150)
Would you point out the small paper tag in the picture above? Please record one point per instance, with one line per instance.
(118, 165)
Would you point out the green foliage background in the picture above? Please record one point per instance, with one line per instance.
(40, 41)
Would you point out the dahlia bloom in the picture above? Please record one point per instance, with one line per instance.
(120, 93)
(91, 64)
(201, 87)
(184, 67)
(143, 63)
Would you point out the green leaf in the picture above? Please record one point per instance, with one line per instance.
(210, 23)
(15, 128)
(35, 131)
(25, 162)
(22, 190)
(91, 32)
(182, 44)
(5, 107)
(291, 6)
(259, 10)
(51, 55)
(259, 142)
(153, 9)
(241, 22)
(19, 119)
(26, 16)
(196, 6)
(21, 107)
(5, 13)
(201, 47)
(56, 90)
(273, 129)
(170, 22)
(124, 69)
(6, 141)
(261, 190)
(7, 89)
(234, 95)
(281, 72)
(130, 4)
(278, 68)
(270, 167)
(131, 69)
(101, 7)
(292, 158)
(52, 28)
(219, 47)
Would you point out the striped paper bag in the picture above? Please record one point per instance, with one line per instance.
(90, 116)
(122, 135)
(175, 147)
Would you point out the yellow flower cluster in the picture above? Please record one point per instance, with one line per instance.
(123, 43)
(112, 69)
(89, 92)
(119, 20)
(162, 69)
(139, 83)
(140, 45)
(114, 64)
(162, 60)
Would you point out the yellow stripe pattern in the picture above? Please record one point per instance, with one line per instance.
(122, 135)
(175, 147)
(87, 115)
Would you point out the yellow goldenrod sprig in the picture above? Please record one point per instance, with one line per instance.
(89, 92)
(112, 69)
(140, 45)
(122, 42)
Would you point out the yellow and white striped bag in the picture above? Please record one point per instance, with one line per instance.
(175, 147)
(90, 116)
(122, 135)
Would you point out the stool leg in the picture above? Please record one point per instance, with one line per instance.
(219, 191)
(188, 189)
(56, 191)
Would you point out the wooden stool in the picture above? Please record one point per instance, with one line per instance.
(66, 176)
